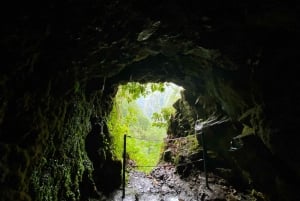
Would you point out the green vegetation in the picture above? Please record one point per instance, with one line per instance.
(142, 111)
(60, 169)
(161, 119)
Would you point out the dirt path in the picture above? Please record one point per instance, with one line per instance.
(163, 184)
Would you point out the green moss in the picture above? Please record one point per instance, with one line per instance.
(192, 145)
(61, 166)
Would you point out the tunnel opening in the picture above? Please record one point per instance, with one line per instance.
(233, 58)
(142, 111)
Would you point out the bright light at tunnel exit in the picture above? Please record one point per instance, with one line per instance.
(142, 112)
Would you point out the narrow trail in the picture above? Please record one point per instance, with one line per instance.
(163, 184)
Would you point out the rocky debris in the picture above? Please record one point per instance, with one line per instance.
(164, 184)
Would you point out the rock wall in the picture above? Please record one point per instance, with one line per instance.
(45, 129)
(235, 59)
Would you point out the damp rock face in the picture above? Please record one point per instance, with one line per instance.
(163, 183)
(61, 63)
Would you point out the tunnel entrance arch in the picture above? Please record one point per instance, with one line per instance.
(208, 94)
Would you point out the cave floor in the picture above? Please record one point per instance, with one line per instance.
(163, 184)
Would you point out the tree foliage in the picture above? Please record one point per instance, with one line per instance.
(161, 119)
(133, 90)
(146, 141)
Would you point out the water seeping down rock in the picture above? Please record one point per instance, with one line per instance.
(62, 62)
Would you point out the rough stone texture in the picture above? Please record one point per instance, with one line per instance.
(235, 59)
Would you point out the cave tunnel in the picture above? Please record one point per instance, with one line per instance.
(62, 63)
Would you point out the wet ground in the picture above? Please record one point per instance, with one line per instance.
(163, 184)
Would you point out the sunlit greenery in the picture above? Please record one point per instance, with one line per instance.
(160, 119)
(142, 111)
